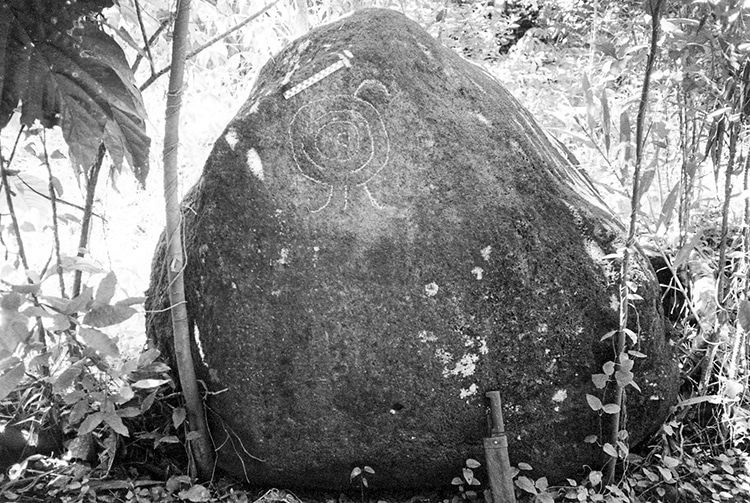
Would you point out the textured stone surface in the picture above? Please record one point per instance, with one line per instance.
(369, 254)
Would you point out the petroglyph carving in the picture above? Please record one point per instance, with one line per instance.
(339, 142)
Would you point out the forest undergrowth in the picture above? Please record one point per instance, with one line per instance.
(72, 363)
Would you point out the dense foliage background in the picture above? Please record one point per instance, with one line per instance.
(76, 240)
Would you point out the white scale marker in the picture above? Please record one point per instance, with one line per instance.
(343, 62)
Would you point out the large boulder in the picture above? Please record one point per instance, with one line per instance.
(379, 237)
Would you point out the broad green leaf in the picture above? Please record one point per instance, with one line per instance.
(600, 380)
(99, 341)
(457, 481)
(106, 316)
(590, 439)
(526, 484)
(69, 72)
(356, 472)
(667, 209)
(743, 314)
(148, 401)
(115, 422)
(90, 423)
(66, 378)
(699, 399)
(196, 494)
(608, 335)
(79, 303)
(524, 466)
(11, 373)
(149, 383)
(178, 416)
(192, 435)
(82, 264)
(610, 449)
(624, 377)
(26, 289)
(541, 483)
(595, 477)
(609, 368)
(369, 469)
(106, 289)
(14, 326)
(168, 439)
(11, 302)
(611, 408)
(666, 474)
(594, 402)
(129, 412)
(131, 301)
(650, 475)
(468, 475)
(473, 463)
(670, 462)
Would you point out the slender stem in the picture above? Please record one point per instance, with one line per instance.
(200, 447)
(144, 35)
(621, 337)
(83, 241)
(53, 204)
(733, 130)
(13, 217)
(208, 44)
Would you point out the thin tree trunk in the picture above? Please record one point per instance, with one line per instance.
(200, 446)
(621, 337)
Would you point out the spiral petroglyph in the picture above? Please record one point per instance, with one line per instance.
(339, 142)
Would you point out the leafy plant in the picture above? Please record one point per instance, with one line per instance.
(466, 481)
(359, 474)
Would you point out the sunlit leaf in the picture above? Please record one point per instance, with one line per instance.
(670, 462)
(609, 368)
(526, 484)
(624, 377)
(196, 494)
(148, 401)
(129, 412)
(590, 439)
(610, 449)
(99, 341)
(66, 378)
(666, 474)
(178, 416)
(90, 423)
(11, 373)
(105, 316)
(594, 402)
(356, 472)
(473, 463)
(80, 264)
(149, 383)
(611, 408)
(524, 466)
(468, 475)
(600, 380)
(115, 422)
(595, 477)
(106, 289)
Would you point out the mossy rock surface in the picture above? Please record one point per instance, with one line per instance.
(372, 249)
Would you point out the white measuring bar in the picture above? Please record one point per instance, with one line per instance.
(344, 61)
